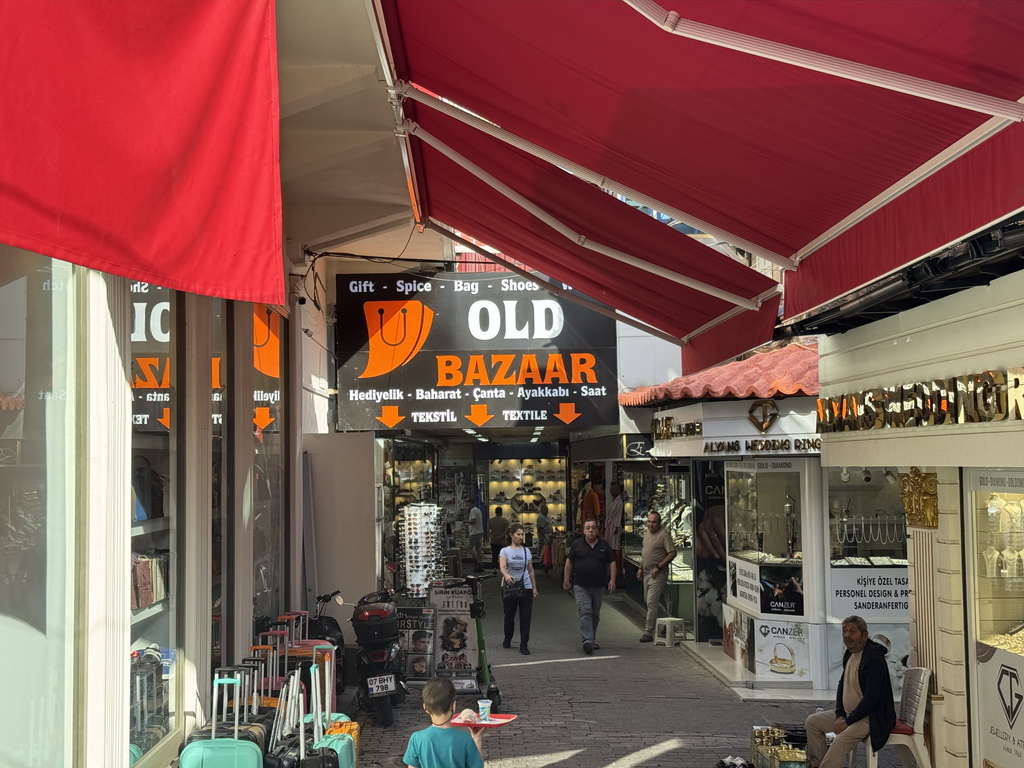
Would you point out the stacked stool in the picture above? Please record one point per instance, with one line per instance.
(669, 631)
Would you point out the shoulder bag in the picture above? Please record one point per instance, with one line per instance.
(517, 587)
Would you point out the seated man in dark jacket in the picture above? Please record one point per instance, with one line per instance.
(864, 701)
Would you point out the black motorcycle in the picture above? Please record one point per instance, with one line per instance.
(323, 625)
(379, 659)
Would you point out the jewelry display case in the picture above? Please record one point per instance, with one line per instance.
(667, 493)
(866, 519)
(996, 515)
(765, 547)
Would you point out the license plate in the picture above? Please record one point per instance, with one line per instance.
(381, 685)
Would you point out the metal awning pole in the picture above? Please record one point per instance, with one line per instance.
(569, 233)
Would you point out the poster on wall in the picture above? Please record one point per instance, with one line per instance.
(416, 638)
(895, 638)
(1000, 707)
(455, 643)
(479, 350)
(768, 590)
(882, 594)
(737, 634)
(709, 566)
(781, 648)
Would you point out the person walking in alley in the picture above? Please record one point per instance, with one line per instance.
(442, 745)
(658, 551)
(544, 537)
(476, 537)
(518, 588)
(587, 566)
(864, 701)
(497, 527)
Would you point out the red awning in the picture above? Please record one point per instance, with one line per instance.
(844, 179)
(462, 201)
(790, 370)
(140, 138)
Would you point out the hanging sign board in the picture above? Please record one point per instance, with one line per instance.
(469, 352)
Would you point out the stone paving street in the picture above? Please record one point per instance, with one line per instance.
(629, 704)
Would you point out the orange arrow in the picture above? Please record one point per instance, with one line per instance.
(478, 414)
(389, 415)
(166, 418)
(262, 418)
(567, 412)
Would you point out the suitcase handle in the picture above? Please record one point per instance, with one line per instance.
(216, 688)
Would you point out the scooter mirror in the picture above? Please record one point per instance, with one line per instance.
(339, 599)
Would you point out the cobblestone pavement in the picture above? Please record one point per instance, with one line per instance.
(627, 705)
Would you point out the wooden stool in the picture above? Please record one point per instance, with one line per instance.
(674, 631)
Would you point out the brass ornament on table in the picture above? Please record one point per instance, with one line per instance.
(788, 757)
(919, 492)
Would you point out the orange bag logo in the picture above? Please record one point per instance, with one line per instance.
(397, 330)
(266, 341)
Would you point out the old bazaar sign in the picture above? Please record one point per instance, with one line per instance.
(476, 350)
(153, 396)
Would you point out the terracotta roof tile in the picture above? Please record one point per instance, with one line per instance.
(790, 370)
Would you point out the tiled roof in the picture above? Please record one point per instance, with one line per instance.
(789, 370)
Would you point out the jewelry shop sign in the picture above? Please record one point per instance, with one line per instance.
(469, 352)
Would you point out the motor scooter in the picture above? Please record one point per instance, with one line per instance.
(379, 658)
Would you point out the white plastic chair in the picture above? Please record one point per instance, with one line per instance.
(908, 733)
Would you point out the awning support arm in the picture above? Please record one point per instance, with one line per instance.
(555, 288)
(671, 22)
(412, 129)
(410, 91)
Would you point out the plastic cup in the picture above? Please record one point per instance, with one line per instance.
(485, 709)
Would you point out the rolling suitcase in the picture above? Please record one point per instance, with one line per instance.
(342, 745)
(220, 711)
(220, 752)
(316, 756)
(284, 750)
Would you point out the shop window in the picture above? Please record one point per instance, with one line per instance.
(270, 488)
(867, 522)
(220, 528)
(37, 508)
(154, 521)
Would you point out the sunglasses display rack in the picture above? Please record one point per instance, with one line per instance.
(421, 547)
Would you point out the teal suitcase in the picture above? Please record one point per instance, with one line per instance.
(222, 752)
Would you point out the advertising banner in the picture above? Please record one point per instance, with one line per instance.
(895, 638)
(1001, 701)
(780, 648)
(871, 593)
(416, 637)
(455, 643)
(472, 351)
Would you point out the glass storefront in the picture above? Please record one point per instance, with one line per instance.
(154, 520)
(994, 561)
(219, 501)
(37, 507)
(270, 487)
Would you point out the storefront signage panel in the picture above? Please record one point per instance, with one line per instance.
(1000, 707)
(870, 592)
(474, 351)
(738, 428)
(971, 399)
(778, 592)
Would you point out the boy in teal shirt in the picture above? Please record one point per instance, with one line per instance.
(442, 745)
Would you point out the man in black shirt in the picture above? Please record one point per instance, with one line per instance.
(587, 566)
